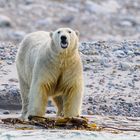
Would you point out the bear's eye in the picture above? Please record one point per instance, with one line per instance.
(58, 32)
(69, 32)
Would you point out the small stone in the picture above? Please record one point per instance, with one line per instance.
(130, 52)
(50, 103)
(121, 99)
(28, 2)
(9, 62)
(18, 35)
(130, 104)
(1, 62)
(136, 79)
(89, 112)
(6, 112)
(51, 110)
(124, 66)
(120, 54)
(67, 19)
(86, 69)
(126, 23)
(13, 80)
(105, 62)
(90, 100)
(137, 53)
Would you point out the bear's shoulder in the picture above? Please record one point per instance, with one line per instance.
(38, 34)
(39, 37)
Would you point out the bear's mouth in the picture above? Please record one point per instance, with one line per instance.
(64, 45)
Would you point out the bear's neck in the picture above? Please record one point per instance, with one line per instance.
(67, 54)
(65, 59)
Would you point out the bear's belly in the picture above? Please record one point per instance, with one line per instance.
(56, 88)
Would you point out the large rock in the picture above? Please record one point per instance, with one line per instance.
(16, 35)
(5, 21)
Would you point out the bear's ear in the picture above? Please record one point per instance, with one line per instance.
(77, 33)
(51, 33)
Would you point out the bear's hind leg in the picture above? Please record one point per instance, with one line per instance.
(59, 103)
(24, 89)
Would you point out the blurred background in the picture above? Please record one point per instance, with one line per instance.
(95, 19)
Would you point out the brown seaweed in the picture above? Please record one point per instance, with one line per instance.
(78, 123)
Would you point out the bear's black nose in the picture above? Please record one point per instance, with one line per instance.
(64, 42)
(63, 38)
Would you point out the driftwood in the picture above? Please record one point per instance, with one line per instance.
(74, 123)
(120, 129)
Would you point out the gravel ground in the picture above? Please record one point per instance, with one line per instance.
(112, 78)
(103, 19)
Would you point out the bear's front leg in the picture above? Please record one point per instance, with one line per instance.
(73, 101)
(37, 100)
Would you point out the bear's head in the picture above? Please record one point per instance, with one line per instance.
(65, 39)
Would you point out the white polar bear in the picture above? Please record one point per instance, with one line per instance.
(49, 65)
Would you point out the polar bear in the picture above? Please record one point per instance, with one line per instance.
(49, 65)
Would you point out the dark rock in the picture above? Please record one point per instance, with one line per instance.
(6, 112)
(90, 100)
(50, 103)
(67, 19)
(86, 69)
(137, 53)
(127, 23)
(124, 66)
(13, 80)
(120, 54)
(5, 21)
(9, 62)
(17, 35)
(28, 2)
(50, 110)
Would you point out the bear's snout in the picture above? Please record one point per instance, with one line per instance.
(64, 42)
(63, 38)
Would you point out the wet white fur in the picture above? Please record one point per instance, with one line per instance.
(47, 70)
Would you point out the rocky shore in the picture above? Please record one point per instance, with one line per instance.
(111, 73)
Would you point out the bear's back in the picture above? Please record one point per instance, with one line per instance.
(36, 39)
(28, 51)
(32, 42)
